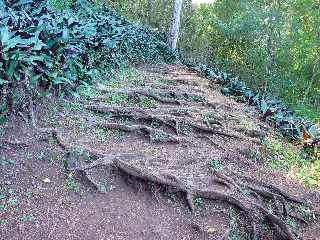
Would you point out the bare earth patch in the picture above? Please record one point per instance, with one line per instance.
(162, 155)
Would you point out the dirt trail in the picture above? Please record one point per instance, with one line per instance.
(158, 155)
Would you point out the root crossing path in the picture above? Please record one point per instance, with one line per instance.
(166, 127)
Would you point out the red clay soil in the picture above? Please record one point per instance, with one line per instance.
(180, 131)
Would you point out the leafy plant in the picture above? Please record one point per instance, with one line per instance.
(27, 218)
(283, 156)
(216, 165)
(197, 201)
(72, 185)
(146, 102)
(274, 110)
(49, 49)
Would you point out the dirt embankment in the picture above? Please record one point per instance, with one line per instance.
(158, 155)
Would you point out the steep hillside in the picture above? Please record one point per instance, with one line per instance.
(106, 133)
(156, 152)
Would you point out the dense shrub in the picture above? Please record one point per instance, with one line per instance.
(273, 46)
(272, 109)
(44, 47)
(60, 45)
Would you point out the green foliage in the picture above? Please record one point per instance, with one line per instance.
(282, 156)
(146, 102)
(236, 232)
(42, 47)
(118, 98)
(27, 218)
(61, 5)
(72, 185)
(272, 45)
(197, 201)
(285, 157)
(249, 38)
(271, 108)
(216, 165)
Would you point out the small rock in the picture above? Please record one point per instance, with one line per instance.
(8, 182)
(46, 180)
(92, 120)
(62, 115)
(203, 228)
(211, 230)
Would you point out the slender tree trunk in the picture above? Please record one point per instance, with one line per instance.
(313, 79)
(270, 61)
(175, 24)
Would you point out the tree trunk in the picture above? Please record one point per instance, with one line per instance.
(315, 70)
(175, 24)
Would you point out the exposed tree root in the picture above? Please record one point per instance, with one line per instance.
(129, 111)
(255, 202)
(214, 143)
(163, 96)
(177, 121)
(168, 97)
(155, 135)
(5, 144)
(163, 117)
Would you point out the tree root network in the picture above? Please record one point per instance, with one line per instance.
(248, 197)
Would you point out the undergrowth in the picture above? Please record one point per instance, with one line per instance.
(45, 48)
(302, 165)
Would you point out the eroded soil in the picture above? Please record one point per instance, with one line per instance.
(157, 154)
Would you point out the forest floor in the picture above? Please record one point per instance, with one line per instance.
(157, 153)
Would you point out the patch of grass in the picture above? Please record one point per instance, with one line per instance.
(41, 156)
(119, 135)
(3, 222)
(293, 224)
(235, 230)
(87, 91)
(73, 106)
(118, 98)
(54, 157)
(5, 162)
(163, 82)
(309, 173)
(104, 187)
(281, 155)
(146, 102)
(198, 202)
(130, 75)
(102, 134)
(72, 185)
(14, 202)
(197, 98)
(126, 76)
(158, 136)
(27, 218)
(247, 124)
(307, 111)
(286, 157)
(216, 165)
(112, 83)
(3, 208)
